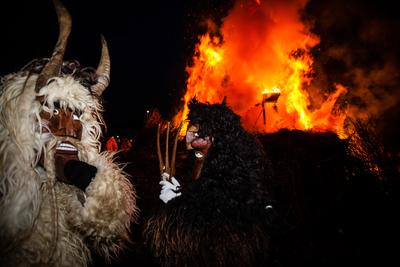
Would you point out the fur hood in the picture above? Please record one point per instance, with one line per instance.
(33, 201)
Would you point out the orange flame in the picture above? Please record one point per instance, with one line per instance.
(265, 47)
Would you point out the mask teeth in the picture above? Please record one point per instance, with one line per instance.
(66, 147)
(198, 154)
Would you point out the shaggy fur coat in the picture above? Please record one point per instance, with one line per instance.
(223, 217)
(42, 221)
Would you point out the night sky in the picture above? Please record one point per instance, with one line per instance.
(151, 42)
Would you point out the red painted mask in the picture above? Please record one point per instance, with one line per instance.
(62, 123)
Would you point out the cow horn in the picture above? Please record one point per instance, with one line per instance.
(53, 67)
(103, 70)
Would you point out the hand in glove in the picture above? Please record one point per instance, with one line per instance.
(170, 188)
(79, 173)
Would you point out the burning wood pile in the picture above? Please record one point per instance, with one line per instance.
(273, 63)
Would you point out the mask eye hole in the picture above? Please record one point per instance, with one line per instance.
(193, 128)
(75, 117)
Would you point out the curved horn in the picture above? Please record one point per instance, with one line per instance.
(103, 70)
(53, 67)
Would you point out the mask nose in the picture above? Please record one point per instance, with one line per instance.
(189, 139)
(67, 125)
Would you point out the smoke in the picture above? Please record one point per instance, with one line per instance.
(360, 49)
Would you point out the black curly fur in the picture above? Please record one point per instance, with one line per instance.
(221, 219)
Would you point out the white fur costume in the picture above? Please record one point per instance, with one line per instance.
(42, 222)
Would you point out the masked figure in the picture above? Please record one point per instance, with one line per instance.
(59, 196)
(221, 217)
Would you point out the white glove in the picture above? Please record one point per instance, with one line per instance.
(169, 190)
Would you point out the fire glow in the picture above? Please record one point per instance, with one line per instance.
(263, 47)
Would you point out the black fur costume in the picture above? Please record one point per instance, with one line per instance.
(222, 218)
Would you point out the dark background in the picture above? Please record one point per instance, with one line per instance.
(151, 43)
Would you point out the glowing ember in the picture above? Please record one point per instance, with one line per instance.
(264, 45)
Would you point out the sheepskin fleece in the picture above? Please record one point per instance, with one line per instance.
(42, 222)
